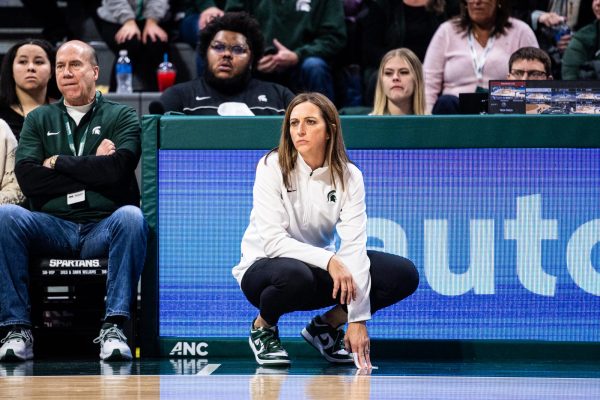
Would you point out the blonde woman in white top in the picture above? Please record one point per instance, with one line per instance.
(305, 191)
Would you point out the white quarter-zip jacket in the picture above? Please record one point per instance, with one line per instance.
(300, 222)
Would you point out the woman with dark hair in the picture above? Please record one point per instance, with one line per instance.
(306, 190)
(400, 87)
(26, 81)
(468, 51)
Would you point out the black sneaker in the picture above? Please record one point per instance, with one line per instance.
(327, 340)
(266, 345)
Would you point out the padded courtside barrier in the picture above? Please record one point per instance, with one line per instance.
(360, 132)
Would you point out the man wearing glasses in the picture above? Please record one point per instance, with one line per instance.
(529, 63)
(230, 47)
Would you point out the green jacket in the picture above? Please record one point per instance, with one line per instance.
(109, 181)
(582, 47)
(309, 28)
(383, 28)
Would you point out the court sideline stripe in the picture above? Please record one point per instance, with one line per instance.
(208, 369)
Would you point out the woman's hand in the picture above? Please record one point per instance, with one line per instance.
(343, 282)
(357, 341)
(153, 32)
(128, 31)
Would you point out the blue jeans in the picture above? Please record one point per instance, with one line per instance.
(446, 104)
(121, 236)
(314, 75)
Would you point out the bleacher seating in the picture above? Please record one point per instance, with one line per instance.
(16, 25)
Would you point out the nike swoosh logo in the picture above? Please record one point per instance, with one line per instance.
(291, 190)
(259, 346)
(202, 98)
(52, 133)
(327, 343)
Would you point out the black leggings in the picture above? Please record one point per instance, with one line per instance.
(277, 286)
(145, 58)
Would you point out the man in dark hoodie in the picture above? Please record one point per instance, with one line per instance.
(230, 46)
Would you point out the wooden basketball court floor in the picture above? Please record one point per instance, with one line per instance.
(309, 378)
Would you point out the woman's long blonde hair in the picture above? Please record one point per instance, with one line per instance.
(335, 153)
(416, 71)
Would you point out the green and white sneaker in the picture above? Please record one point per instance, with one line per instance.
(327, 340)
(266, 346)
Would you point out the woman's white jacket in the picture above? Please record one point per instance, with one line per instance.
(300, 222)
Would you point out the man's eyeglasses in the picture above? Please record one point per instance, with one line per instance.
(236, 49)
(531, 74)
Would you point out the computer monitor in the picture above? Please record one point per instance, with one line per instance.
(544, 97)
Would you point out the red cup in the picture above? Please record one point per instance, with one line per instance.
(165, 79)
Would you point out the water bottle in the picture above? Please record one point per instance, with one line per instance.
(124, 73)
(560, 31)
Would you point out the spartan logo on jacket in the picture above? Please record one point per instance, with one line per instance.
(96, 130)
(303, 5)
(331, 197)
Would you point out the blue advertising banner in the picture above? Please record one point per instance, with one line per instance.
(504, 241)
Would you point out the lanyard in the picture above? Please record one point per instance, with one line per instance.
(479, 62)
(83, 137)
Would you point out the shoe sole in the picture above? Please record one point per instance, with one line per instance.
(116, 355)
(266, 362)
(319, 347)
(11, 356)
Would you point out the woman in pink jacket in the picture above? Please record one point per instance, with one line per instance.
(468, 51)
